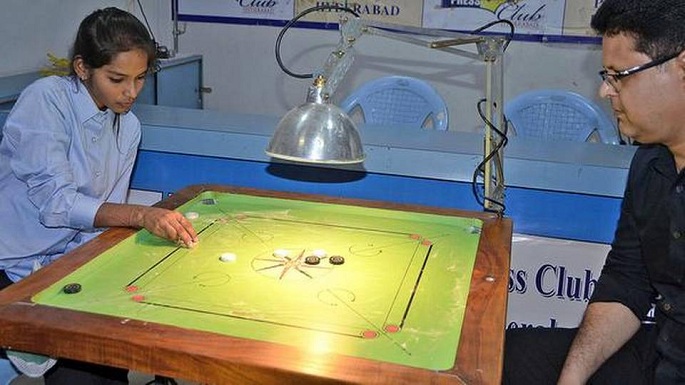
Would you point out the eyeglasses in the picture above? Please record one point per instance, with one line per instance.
(612, 79)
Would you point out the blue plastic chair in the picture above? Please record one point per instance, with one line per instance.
(398, 100)
(552, 114)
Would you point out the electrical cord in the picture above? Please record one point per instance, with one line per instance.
(142, 11)
(290, 24)
(480, 169)
(292, 21)
(162, 51)
(512, 29)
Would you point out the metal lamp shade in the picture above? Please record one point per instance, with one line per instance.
(316, 133)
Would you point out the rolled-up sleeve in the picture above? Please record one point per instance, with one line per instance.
(83, 211)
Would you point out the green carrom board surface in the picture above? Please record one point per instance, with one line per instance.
(398, 296)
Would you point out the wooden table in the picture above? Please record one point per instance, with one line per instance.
(218, 359)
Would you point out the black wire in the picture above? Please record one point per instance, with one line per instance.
(490, 24)
(480, 169)
(162, 51)
(142, 11)
(307, 11)
(290, 24)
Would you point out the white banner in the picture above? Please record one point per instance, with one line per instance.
(251, 9)
(539, 18)
(551, 280)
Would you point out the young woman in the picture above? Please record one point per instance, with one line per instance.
(66, 157)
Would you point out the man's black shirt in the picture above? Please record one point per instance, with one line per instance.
(646, 263)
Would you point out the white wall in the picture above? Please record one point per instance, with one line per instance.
(241, 69)
(29, 29)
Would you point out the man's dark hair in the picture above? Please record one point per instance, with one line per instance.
(658, 26)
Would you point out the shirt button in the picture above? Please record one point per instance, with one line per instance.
(677, 234)
(98, 173)
(666, 307)
(94, 139)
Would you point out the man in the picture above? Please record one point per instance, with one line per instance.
(643, 45)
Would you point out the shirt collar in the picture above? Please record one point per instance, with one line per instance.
(85, 106)
(664, 162)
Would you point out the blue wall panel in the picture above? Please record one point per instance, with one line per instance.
(535, 212)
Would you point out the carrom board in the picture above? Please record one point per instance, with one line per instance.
(365, 282)
(414, 295)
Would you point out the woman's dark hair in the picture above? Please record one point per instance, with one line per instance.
(107, 32)
(658, 26)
